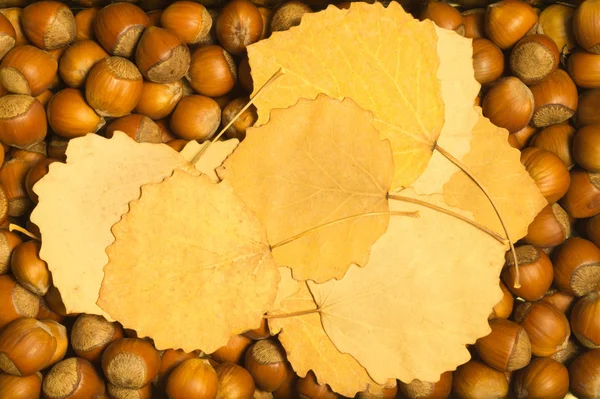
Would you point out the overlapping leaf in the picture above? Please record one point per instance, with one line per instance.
(421, 298)
(80, 201)
(317, 176)
(496, 165)
(207, 156)
(190, 251)
(309, 348)
(382, 58)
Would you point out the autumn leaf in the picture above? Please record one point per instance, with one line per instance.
(496, 165)
(309, 348)
(287, 287)
(213, 154)
(80, 201)
(382, 58)
(317, 176)
(427, 291)
(200, 260)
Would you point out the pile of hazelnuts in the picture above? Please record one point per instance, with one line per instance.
(172, 71)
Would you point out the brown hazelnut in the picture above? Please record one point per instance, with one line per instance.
(504, 308)
(555, 99)
(506, 22)
(188, 20)
(29, 269)
(535, 273)
(26, 347)
(235, 382)
(521, 138)
(119, 26)
(194, 378)
(130, 363)
(509, 104)
(245, 120)
(534, 58)
(555, 21)
(161, 56)
(585, 25)
(212, 71)
(309, 387)
(7, 36)
(542, 378)
(584, 69)
(585, 147)
(587, 110)
(78, 60)
(195, 118)
(474, 22)
(12, 177)
(91, 334)
(8, 243)
(584, 375)
(506, 348)
(116, 392)
(14, 15)
(27, 70)
(427, 390)
(15, 387)
(547, 327)
(70, 116)
(73, 378)
(585, 320)
(59, 332)
(169, 359)
(551, 227)
(476, 380)
(290, 14)
(48, 24)
(234, 351)
(557, 139)
(266, 361)
(238, 25)
(16, 301)
(488, 61)
(139, 127)
(559, 300)
(583, 196)
(576, 266)
(84, 24)
(159, 100)
(548, 171)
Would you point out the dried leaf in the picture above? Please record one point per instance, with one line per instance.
(287, 286)
(421, 298)
(309, 348)
(80, 201)
(200, 260)
(382, 58)
(496, 165)
(318, 162)
(212, 158)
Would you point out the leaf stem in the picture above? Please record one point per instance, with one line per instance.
(300, 235)
(273, 78)
(464, 168)
(292, 314)
(16, 227)
(493, 234)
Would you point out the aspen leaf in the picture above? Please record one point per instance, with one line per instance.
(288, 286)
(80, 201)
(309, 348)
(423, 296)
(200, 260)
(215, 154)
(496, 165)
(382, 58)
(318, 162)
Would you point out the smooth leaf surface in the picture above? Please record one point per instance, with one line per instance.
(382, 58)
(190, 266)
(212, 158)
(315, 168)
(80, 201)
(427, 291)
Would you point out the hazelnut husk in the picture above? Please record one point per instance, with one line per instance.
(266, 362)
(555, 99)
(535, 269)
(584, 374)
(551, 227)
(509, 104)
(48, 24)
(542, 378)
(161, 56)
(116, 392)
(29, 269)
(77, 61)
(73, 378)
(488, 61)
(476, 380)
(119, 26)
(427, 390)
(196, 118)
(235, 382)
(91, 334)
(238, 25)
(585, 320)
(506, 22)
(114, 86)
(26, 347)
(547, 327)
(15, 387)
(8, 243)
(190, 21)
(16, 301)
(576, 266)
(557, 139)
(234, 351)
(287, 15)
(27, 70)
(212, 71)
(194, 378)
(130, 363)
(534, 58)
(506, 348)
(548, 171)
(139, 127)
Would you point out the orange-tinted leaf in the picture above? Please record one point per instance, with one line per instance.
(427, 291)
(81, 200)
(382, 58)
(212, 158)
(190, 266)
(320, 161)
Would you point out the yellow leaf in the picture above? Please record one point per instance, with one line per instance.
(287, 286)
(81, 200)
(212, 158)
(497, 166)
(427, 291)
(309, 348)
(382, 58)
(308, 175)
(190, 266)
